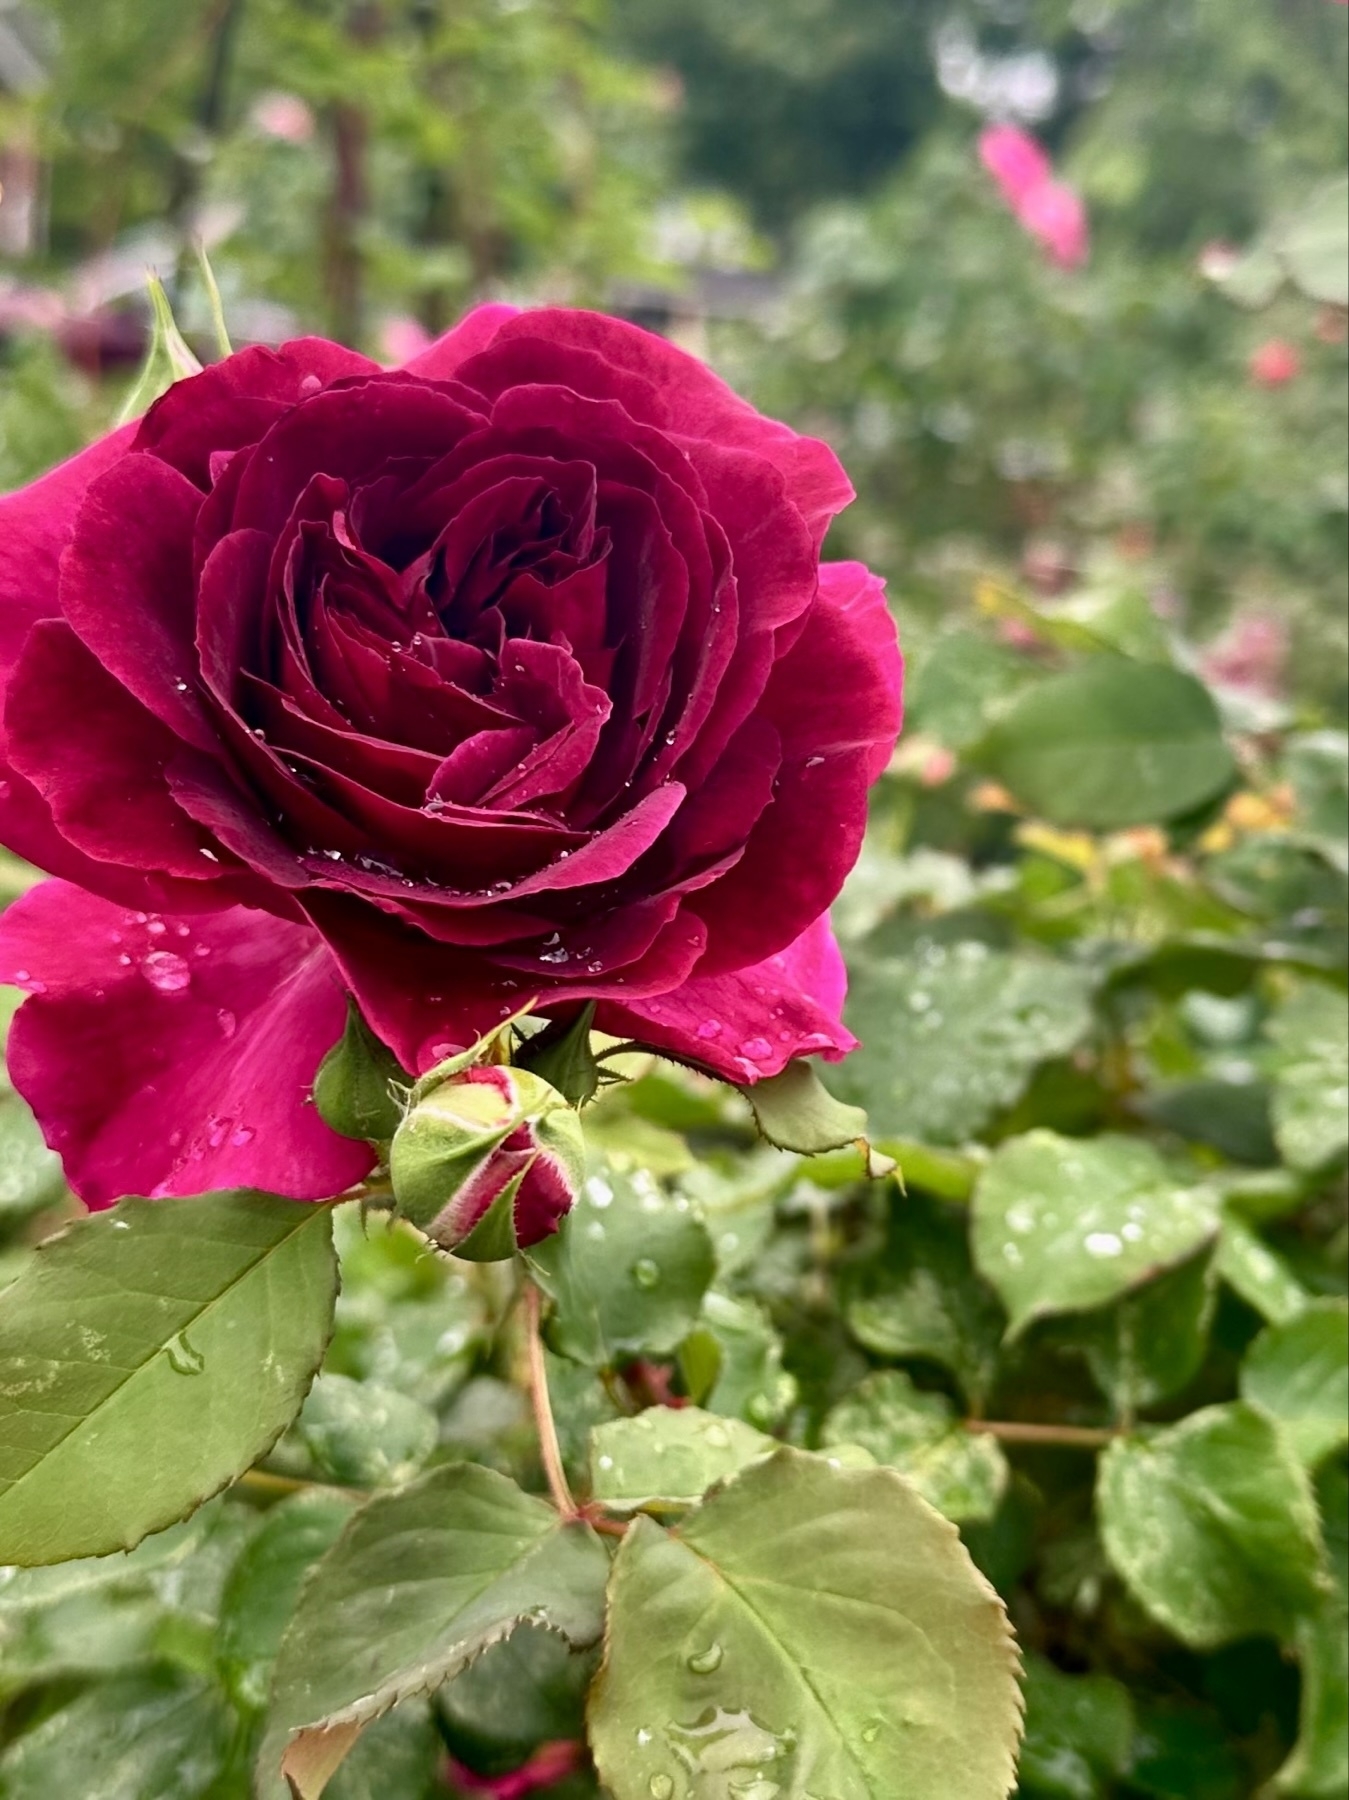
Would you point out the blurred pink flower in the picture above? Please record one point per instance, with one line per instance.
(285, 117)
(1050, 211)
(402, 337)
(1275, 363)
(544, 1769)
(1015, 161)
(1251, 654)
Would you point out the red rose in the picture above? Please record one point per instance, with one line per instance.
(510, 674)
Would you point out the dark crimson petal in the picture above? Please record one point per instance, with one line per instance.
(426, 1000)
(35, 526)
(749, 1024)
(27, 829)
(173, 1056)
(127, 588)
(234, 402)
(542, 1203)
(530, 359)
(479, 763)
(346, 432)
(697, 404)
(443, 359)
(400, 773)
(835, 701)
(99, 758)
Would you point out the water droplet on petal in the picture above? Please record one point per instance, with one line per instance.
(711, 1028)
(756, 1049)
(227, 1022)
(241, 1135)
(166, 972)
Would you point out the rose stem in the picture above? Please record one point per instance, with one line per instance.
(1070, 1437)
(563, 1498)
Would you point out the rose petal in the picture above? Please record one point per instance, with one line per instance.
(750, 1024)
(36, 523)
(474, 332)
(175, 1056)
(127, 588)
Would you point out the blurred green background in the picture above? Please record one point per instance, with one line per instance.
(791, 187)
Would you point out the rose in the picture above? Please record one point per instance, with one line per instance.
(510, 675)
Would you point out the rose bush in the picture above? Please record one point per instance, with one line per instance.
(513, 674)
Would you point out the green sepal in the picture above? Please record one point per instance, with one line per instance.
(361, 1087)
(562, 1056)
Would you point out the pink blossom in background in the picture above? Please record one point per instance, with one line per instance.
(402, 337)
(1275, 364)
(285, 117)
(1015, 161)
(549, 1765)
(1050, 211)
(1251, 654)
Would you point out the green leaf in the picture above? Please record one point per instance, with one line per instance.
(1183, 1753)
(962, 1474)
(1298, 1373)
(147, 1356)
(626, 1273)
(1314, 245)
(951, 1034)
(1310, 1060)
(264, 1585)
(960, 683)
(796, 1111)
(401, 1755)
(1079, 1733)
(749, 1381)
(104, 1615)
(1213, 1526)
(1263, 1280)
(520, 1694)
(1112, 744)
(419, 1585)
(1319, 1766)
(1150, 1344)
(922, 1298)
(808, 1630)
(667, 1458)
(167, 359)
(362, 1434)
(1064, 1225)
(156, 1733)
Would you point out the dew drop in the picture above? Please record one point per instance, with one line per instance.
(184, 1359)
(244, 1134)
(708, 1661)
(166, 972)
(756, 1049)
(871, 1732)
(709, 1029)
(661, 1787)
(1103, 1243)
(646, 1273)
(227, 1022)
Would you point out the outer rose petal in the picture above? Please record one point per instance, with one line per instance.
(474, 332)
(751, 1024)
(851, 589)
(174, 1056)
(35, 527)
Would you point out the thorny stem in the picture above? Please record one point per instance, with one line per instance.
(563, 1498)
(1069, 1437)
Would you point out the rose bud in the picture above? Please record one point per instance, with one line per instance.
(487, 1161)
